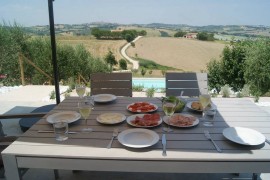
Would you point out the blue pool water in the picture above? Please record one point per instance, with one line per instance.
(157, 83)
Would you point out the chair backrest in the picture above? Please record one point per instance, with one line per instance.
(119, 84)
(193, 84)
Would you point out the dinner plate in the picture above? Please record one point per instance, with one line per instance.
(138, 138)
(132, 117)
(140, 111)
(111, 118)
(196, 122)
(244, 136)
(103, 98)
(213, 106)
(69, 116)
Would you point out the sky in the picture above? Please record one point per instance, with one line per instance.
(190, 12)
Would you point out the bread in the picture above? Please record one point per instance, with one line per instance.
(196, 105)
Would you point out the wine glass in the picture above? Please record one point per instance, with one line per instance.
(168, 107)
(205, 100)
(80, 90)
(85, 110)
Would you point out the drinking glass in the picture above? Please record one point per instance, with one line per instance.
(205, 100)
(80, 90)
(168, 107)
(61, 130)
(211, 114)
(85, 110)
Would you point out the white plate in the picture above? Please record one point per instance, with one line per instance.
(69, 116)
(132, 117)
(139, 111)
(196, 122)
(244, 136)
(138, 138)
(103, 98)
(111, 118)
(213, 106)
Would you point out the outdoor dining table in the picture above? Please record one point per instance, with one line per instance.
(188, 150)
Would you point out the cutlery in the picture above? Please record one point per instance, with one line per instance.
(115, 133)
(164, 143)
(182, 92)
(207, 135)
(268, 141)
(49, 131)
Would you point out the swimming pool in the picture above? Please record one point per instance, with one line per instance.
(158, 83)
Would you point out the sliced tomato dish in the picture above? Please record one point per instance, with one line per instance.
(146, 120)
(142, 107)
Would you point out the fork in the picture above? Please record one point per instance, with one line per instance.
(115, 133)
(208, 136)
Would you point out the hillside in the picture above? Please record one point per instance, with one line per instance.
(185, 54)
(98, 48)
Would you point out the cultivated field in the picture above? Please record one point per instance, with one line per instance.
(98, 48)
(185, 54)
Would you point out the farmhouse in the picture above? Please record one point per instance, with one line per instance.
(191, 35)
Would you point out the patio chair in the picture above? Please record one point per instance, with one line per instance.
(193, 84)
(119, 84)
(26, 123)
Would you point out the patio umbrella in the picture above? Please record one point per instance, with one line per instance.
(53, 46)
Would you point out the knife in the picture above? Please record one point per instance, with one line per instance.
(164, 143)
(49, 131)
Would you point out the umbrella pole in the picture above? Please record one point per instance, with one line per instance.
(53, 46)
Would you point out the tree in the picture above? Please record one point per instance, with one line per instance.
(142, 33)
(257, 67)
(129, 37)
(215, 81)
(123, 64)
(110, 59)
(180, 34)
(12, 42)
(232, 65)
(204, 36)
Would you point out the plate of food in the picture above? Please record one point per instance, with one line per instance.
(138, 138)
(144, 120)
(142, 107)
(181, 120)
(68, 116)
(104, 98)
(111, 118)
(196, 106)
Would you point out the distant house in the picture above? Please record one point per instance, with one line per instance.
(191, 35)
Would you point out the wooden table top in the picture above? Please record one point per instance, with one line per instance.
(183, 144)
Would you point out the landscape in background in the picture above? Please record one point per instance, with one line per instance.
(184, 54)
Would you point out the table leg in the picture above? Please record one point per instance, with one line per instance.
(11, 168)
(255, 176)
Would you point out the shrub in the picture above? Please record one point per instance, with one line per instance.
(52, 95)
(137, 87)
(123, 64)
(150, 92)
(132, 44)
(143, 71)
(245, 91)
(225, 90)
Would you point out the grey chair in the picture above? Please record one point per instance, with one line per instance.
(193, 84)
(119, 84)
